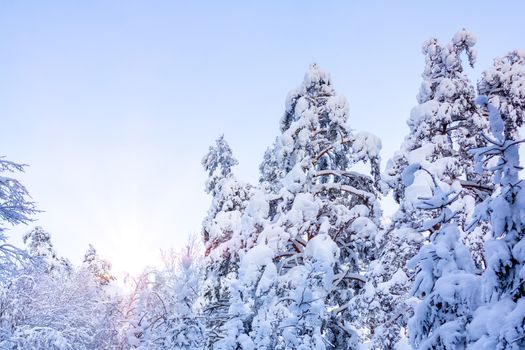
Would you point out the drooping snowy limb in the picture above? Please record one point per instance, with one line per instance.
(16, 207)
(342, 275)
(15, 204)
(366, 196)
(435, 260)
(11, 259)
(476, 186)
(441, 266)
(335, 284)
(330, 148)
(448, 286)
(502, 86)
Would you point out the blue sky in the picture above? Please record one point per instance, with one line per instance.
(114, 103)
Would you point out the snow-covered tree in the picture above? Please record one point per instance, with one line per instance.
(445, 278)
(136, 311)
(229, 198)
(184, 326)
(98, 267)
(223, 237)
(306, 289)
(57, 309)
(15, 204)
(305, 259)
(271, 169)
(309, 187)
(41, 250)
(281, 311)
(161, 311)
(16, 208)
(252, 293)
(445, 118)
(499, 322)
(443, 126)
(323, 193)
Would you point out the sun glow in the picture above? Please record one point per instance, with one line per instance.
(130, 248)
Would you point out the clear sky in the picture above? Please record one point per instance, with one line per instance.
(114, 103)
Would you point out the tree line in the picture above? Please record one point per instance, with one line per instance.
(305, 258)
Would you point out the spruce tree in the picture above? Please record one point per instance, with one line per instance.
(498, 323)
(443, 126)
(445, 278)
(223, 237)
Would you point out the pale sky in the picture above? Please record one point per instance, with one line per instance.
(114, 103)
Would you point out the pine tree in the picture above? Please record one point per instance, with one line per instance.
(308, 189)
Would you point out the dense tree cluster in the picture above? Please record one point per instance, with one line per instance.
(305, 258)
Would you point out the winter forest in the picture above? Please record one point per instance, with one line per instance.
(306, 258)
